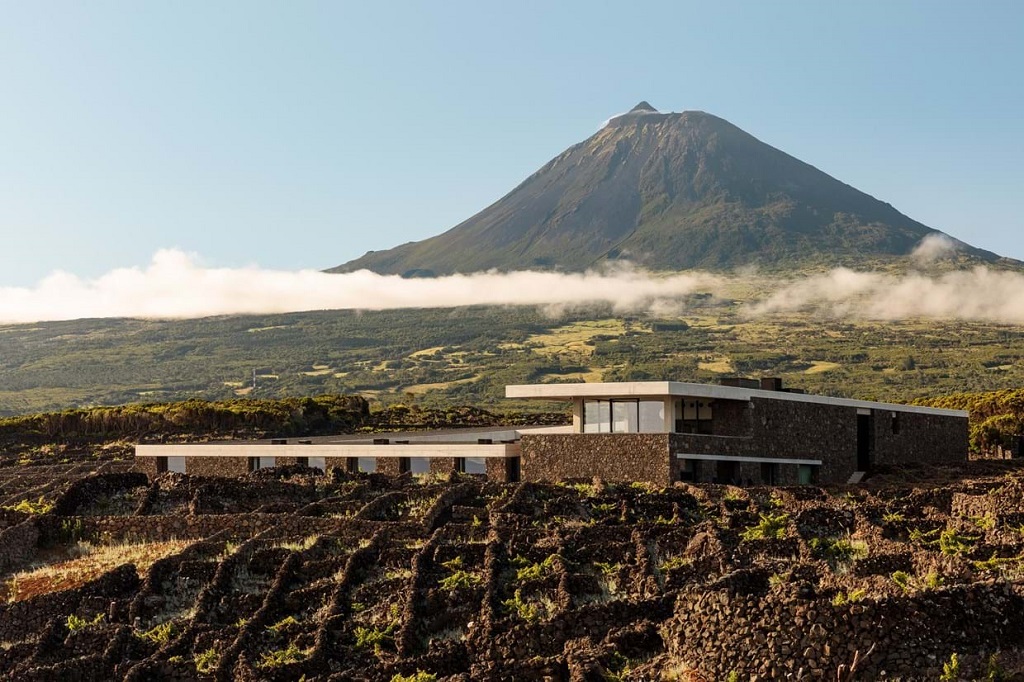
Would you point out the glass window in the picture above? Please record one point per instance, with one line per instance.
(624, 416)
(652, 416)
(368, 465)
(805, 474)
(266, 462)
(596, 416)
(317, 463)
(176, 464)
(419, 465)
(475, 465)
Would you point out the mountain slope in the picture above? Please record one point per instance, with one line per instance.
(667, 191)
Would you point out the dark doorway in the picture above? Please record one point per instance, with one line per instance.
(512, 471)
(726, 473)
(863, 442)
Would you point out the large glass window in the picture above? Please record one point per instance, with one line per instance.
(652, 416)
(623, 416)
(176, 464)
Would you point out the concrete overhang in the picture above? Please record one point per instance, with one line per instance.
(672, 389)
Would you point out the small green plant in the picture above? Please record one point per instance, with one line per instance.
(538, 570)
(954, 544)
(771, 526)
(453, 564)
(279, 657)
(903, 580)
(282, 625)
(777, 579)
(851, 597)
(933, 581)
(241, 623)
(373, 638)
(460, 579)
(76, 623)
(526, 610)
(607, 568)
(837, 550)
(668, 563)
(926, 538)
(984, 522)
(733, 677)
(893, 517)
(951, 669)
(206, 661)
(604, 507)
(40, 506)
(159, 634)
(476, 521)
(71, 531)
(418, 676)
(358, 607)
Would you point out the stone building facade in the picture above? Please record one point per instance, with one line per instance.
(739, 433)
(659, 432)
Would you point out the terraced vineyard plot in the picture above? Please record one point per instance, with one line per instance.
(285, 574)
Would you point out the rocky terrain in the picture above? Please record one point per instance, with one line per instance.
(290, 574)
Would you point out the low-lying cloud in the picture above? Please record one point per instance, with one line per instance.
(176, 285)
(980, 294)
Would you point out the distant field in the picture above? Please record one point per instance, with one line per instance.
(468, 355)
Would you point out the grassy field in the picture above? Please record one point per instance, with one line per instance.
(467, 355)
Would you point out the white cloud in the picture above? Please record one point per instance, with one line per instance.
(174, 285)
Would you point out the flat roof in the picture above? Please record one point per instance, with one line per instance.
(663, 389)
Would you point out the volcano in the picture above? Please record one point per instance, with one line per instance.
(668, 191)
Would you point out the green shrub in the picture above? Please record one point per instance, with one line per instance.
(418, 676)
(159, 634)
(528, 611)
(279, 657)
(771, 526)
(951, 669)
(40, 506)
(76, 623)
(460, 579)
(206, 661)
(372, 638)
(954, 544)
(538, 570)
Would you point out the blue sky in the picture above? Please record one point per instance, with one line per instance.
(301, 134)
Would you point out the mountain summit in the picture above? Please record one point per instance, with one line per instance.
(667, 191)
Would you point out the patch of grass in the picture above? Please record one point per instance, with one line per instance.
(374, 638)
(893, 517)
(95, 560)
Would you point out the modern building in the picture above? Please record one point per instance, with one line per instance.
(741, 432)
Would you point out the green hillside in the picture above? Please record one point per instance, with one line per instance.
(466, 356)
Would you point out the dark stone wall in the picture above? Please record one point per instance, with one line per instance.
(731, 418)
(790, 429)
(609, 456)
(721, 632)
(922, 438)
